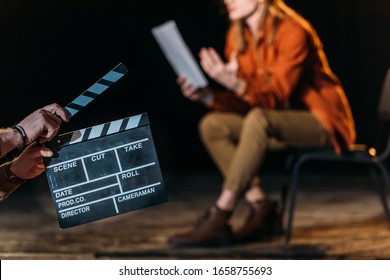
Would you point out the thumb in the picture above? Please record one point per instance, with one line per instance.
(233, 56)
(233, 63)
(45, 152)
(40, 152)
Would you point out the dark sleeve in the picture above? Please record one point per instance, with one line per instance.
(6, 187)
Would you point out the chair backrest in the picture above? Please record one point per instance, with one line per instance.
(384, 112)
(384, 101)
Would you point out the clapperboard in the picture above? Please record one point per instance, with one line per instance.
(104, 170)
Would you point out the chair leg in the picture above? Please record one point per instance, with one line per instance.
(385, 174)
(293, 194)
(381, 188)
(283, 199)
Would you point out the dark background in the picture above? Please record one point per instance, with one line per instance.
(51, 51)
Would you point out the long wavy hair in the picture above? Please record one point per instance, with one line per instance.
(278, 10)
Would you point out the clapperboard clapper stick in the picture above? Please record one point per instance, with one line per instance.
(96, 89)
(104, 170)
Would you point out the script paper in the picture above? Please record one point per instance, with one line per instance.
(178, 54)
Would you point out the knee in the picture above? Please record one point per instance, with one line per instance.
(212, 126)
(256, 120)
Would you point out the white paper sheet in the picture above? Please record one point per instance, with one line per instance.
(178, 54)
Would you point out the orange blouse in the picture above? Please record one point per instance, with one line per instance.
(286, 68)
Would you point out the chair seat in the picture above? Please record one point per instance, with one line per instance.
(327, 154)
(356, 154)
(296, 160)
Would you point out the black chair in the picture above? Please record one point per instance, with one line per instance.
(361, 155)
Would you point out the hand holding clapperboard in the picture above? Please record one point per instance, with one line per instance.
(104, 170)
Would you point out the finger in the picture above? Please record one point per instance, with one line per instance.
(204, 55)
(212, 63)
(46, 152)
(187, 86)
(57, 110)
(49, 120)
(181, 79)
(211, 58)
(37, 171)
(188, 90)
(205, 59)
(37, 152)
(188, 93)
(208, 68)
(233, 63)
(215, 56)
(40, 165)
(53, 121)
(233, 56)
(48, 135)
(51, 129)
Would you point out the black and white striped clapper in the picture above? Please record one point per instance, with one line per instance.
(104, 170)
(96, 89)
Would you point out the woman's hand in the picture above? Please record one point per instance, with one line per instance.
(203, 95)
(223, 73)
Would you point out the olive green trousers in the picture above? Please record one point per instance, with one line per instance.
(238, 144)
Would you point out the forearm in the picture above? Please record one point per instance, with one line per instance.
(9, 140)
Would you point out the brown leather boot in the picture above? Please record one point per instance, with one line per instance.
(264, 220)
(212, 229)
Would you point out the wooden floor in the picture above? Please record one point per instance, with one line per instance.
(337, 217)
